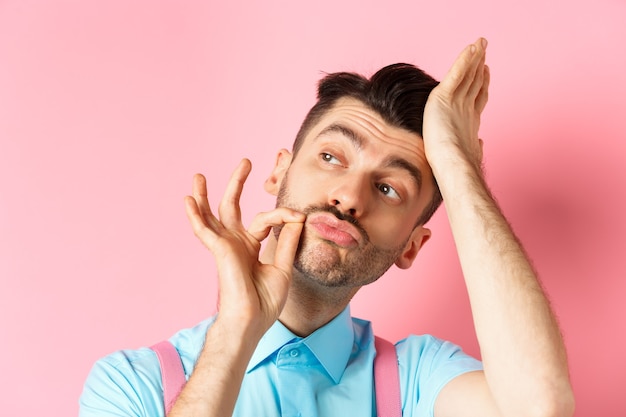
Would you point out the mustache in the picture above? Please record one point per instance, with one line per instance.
(328, 208)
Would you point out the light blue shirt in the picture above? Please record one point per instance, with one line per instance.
(329, 373)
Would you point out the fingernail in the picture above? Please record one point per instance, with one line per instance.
(472, 48)
(484, 42)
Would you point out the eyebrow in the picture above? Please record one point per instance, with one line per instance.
(405, 165)
(354, 137)
(391, 162)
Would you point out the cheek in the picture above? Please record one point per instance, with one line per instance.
(390, 230)
(303, 189)
(300, 189)
(308, 183)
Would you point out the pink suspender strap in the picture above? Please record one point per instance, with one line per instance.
(386, 379)
(172, 373)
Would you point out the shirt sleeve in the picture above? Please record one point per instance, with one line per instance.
(426, 365)
(126, 383)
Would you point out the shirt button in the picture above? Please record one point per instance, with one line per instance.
(294, 353)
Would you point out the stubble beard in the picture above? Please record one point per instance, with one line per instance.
(329, 265)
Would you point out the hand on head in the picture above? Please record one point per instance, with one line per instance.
(453, 109)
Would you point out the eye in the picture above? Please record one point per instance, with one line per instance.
(388, 191)
(326, 157)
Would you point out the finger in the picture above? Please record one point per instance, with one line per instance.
(199, 193)
(483, 94)
(229, 210)
(287, 246)
(476, 81)
(462, 72)
(200, 228)
(474, 68)
(262, 224)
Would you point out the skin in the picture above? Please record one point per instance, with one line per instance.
(520, 342)
(357, 180)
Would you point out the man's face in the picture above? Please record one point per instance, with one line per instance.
(363, 185)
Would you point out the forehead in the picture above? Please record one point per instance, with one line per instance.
(370, 128)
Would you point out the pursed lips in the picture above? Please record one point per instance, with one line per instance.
(335, 230)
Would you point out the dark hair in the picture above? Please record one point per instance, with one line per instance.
(397, 92)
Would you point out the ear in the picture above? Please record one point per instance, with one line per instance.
(283, 160)
(419, 236)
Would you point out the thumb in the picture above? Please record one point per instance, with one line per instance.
(287, 246)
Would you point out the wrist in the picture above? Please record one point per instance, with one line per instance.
(237, 331)
(452, 164)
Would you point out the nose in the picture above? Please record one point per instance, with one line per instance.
(350, 195)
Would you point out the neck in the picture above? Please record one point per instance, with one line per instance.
(309, 304)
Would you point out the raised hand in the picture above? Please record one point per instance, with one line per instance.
(251, 293)
(453, 109)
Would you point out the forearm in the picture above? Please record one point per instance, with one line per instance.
(520, 342)
(214, 385)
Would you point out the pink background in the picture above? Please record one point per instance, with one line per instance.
(107, 108)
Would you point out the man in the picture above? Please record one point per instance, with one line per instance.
(352, 199)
